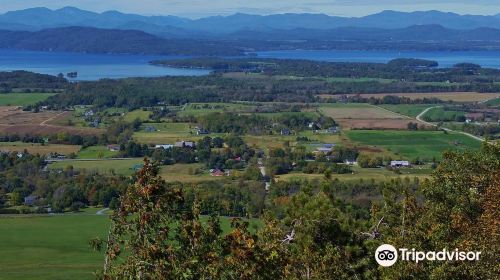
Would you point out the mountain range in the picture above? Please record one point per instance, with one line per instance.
(35, 19)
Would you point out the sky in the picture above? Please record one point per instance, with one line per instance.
(202, 8)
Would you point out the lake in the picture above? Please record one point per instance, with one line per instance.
(90, 66)
(490, 59)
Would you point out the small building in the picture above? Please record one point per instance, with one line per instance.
(89, 113)
(185, 144)
(165, 146)
(285, 132)
(400, 163)
(350, 162)
(323, 150)
(202, 131)
(216, 173)
(332, 130)
(113, 148)
(30, 200)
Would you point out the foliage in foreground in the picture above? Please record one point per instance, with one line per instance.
(155, 235)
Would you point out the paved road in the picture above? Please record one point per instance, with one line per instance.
(419, 118)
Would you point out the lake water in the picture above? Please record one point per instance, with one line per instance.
(490, 59)
(114, 66)
(90, 66)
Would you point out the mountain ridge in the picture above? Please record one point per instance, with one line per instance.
(42, 18)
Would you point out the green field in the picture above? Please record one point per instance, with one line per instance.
(412, 144)
(137, 114)
(95, 152)
(22, 99)
(198, 109)
(56, 247)
(122, 167)
(411, 110)
(377, 174)
(440, 114)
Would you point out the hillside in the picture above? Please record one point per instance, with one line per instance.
(86, 39)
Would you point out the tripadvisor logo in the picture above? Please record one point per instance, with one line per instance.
(386, 255)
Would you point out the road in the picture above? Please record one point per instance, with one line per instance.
(101, 212)
(263, 172)
(86, 159)
(419, 118)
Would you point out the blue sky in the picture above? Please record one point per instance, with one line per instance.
(200, 8)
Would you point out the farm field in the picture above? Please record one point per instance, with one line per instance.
(95, 152)
(445, 96)
(440, 114)
(56, 247)
(198, 109)
(378, 174)
(365, 116)
(105, 166)
(15, 121)
(410, 110)
(137, 114)
(425, 145)
(22, 99)
(36, 148)
(167, 133)
(186, 173)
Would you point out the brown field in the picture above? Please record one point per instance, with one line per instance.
(375, 123)
(15, 121)
(365, 116)
(361, 112)
(38, 148)
(445, 96)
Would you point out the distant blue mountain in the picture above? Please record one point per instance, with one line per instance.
(172, 26)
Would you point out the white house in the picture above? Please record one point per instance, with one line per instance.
(165, 147)
(400, 163)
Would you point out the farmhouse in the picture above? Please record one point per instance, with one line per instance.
(113, 148)
(30, 200)
(164, 146)
(350, 162)
(400, 163)
(184, 144)
(202, 131)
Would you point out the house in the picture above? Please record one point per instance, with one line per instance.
(113, 148)
(216, 173)
(350, 162)
(332, 130)
(474, 116)
(285, 131)
(165, 146)
(150, 128)
(30, 200)
(89, 113)
(202, 131)
(400, 163)
(185, 144)
(323, 150)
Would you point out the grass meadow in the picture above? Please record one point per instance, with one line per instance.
(22, 99)
(105, 166)
(412, 144)
(57, 247)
